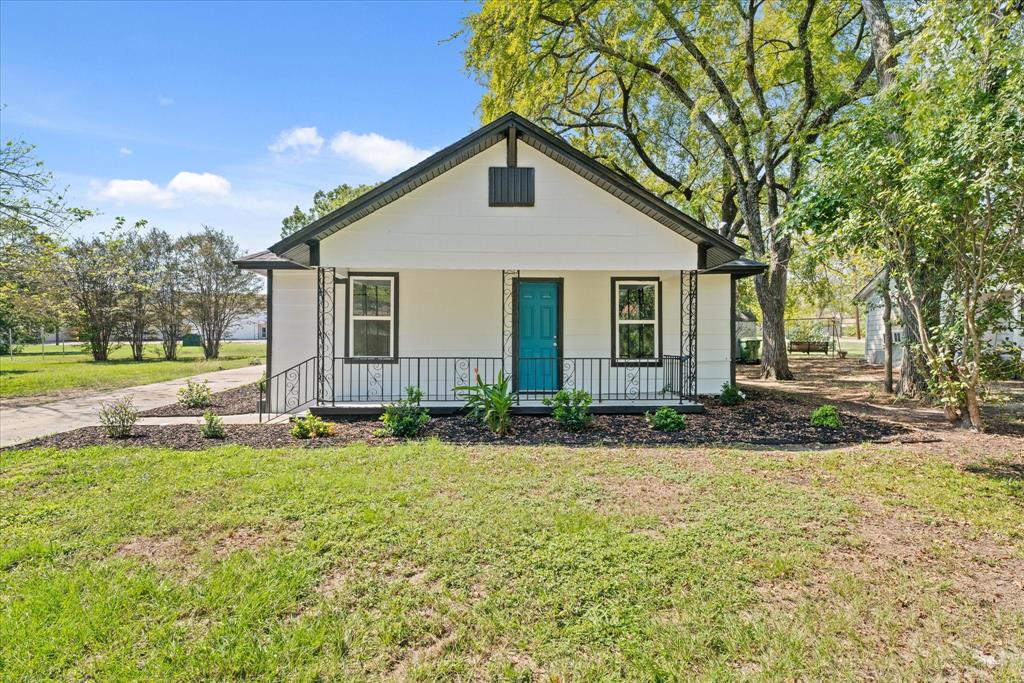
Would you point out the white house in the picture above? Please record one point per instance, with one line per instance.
(508, 250)
(874, 345)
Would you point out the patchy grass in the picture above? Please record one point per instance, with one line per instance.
(33, 374)
(427, 562)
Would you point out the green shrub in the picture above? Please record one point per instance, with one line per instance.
(571, 408)
(490, 403)
(826, 416)
(405, 418)
(118, 418)
(195, 395)
(666, 419)
(730, 395)
(212, 427)
(310, 426)
(254, 361)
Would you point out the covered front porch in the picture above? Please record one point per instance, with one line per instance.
(629, 339)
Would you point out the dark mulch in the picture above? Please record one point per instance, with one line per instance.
(765, 419)
(237, 401)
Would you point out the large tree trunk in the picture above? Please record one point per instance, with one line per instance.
(913, 378)
(887, 331)
(771, 294)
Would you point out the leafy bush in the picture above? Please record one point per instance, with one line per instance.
(405, 418)
(826, 416)
(571, 408)
(254, 361)
(310, 426)
(730, 395)
(490, 403)
(195, 395)
(119, 417)
(212, 427)
(666, 419)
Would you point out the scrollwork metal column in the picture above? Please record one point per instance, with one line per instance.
(508, 284)
(688, 335)
(325, 320)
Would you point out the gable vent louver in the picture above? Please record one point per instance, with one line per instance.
(510, 186)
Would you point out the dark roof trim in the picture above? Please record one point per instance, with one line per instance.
(720, 250)
(266, 260)
(741, 267)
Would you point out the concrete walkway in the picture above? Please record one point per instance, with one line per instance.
(29, 422)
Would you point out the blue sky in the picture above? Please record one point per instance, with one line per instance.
(229, 114)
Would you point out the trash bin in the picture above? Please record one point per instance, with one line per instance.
(191, 340)
(750, 351)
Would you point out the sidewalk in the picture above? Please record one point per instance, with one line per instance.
(22, 424)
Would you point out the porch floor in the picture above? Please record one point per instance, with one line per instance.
(524, 407)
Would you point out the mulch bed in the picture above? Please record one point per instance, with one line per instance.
(238, 401)
(764, 419)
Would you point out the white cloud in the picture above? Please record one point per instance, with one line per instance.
(165, 101)
(124, 151)
(303, 140)
(206, 184)
(134, 192)
(381, 154)
(125, 191)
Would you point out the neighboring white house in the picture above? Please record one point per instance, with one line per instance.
(508, 250)
(874, 346)
(248, 328)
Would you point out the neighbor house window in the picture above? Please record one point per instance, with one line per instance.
(636, 312)
(372, 316)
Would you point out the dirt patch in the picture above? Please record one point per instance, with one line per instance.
(173, 552)
(645, 496)
(333, 581)
(238, 401)
(168, 550)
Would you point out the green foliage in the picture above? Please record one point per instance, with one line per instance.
(666, 419)
(195, 394)
(212, 426)
(826, 416)
(490, 403)
(323, 204)
(571, 408)
(731, 395)
(405, 418)
(310, 426)
(118, 418)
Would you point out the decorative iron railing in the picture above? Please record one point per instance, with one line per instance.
(287, 391)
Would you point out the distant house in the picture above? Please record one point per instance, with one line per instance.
(508, 251)
(874, 345)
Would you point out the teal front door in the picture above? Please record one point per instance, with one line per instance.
(538, 334)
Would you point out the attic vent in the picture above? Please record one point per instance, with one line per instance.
(510, 186)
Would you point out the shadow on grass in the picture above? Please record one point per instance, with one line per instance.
(999, 469)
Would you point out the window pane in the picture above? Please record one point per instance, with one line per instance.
(636, 341)
(637, 302)
(371, 338)
(371, 297)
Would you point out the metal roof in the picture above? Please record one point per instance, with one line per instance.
(295, 247)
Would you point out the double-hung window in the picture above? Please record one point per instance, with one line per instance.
(373, 313)
(636, 332)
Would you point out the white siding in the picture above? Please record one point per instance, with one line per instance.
(446, 223)
(714, 334)
(293, 338)
(874, 344)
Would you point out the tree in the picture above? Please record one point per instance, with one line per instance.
(932, 174)
(711, 105)
(217, 291)
(141, 280)
(323, 204)
(94, 273)
(167, 294)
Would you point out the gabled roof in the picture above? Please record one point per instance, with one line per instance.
(871, 288)
(719, 250)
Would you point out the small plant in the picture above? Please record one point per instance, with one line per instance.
(730, 395)
(309, 426)
(826, 416)
(212, 427)
(261, 383)
(666, 419)
(119, 417)
(571, 408)
(255, 361)
(195, 395)
(490, 403)
(405, 418)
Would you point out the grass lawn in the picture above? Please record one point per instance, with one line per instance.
(430, 562)
(35, 373)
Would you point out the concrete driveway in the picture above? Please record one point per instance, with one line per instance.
(29, 422)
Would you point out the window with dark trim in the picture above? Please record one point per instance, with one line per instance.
(372, 316)
(636, 319)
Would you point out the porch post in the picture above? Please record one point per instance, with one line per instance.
(688, 334)
(325, 334)
(508, 322)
